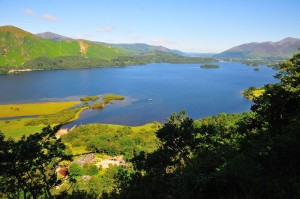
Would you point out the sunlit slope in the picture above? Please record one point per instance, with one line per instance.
(18, 46)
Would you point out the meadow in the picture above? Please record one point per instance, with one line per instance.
(17, 128)
(16, 110)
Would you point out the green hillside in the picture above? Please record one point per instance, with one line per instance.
(18, 46)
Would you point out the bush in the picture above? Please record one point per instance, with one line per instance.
(89, 98)
(76, 170)
(98, 105)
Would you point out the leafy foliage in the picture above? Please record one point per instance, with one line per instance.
(253, 92)
(89, 98)
(110, 97)
(251, 155)
(27, 167)
(112, 140)
(69, 62)
(61, 117)
(98, 105)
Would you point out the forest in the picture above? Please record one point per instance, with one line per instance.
(250, 155)
(70, 62)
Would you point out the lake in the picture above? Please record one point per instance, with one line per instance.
(172, 88)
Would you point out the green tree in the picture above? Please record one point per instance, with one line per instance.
(27, 167)
(92, 170)
(251, 155)
(76, 169)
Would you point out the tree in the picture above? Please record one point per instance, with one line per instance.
(27, 167)
(251, 155)
(76, 170)
(92, 170)
(156, 174)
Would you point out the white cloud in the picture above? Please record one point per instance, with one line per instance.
(45, 16)
(161, 42)
(49, 17)
(105, 30)
(28, 12)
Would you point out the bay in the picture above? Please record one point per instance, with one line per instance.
(171, 88)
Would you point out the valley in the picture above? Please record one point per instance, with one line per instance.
(149, 99)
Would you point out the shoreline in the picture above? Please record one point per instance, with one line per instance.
(12, 71)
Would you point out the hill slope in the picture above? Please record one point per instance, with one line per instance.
(18, 46)
(283, 49)
(131, 49)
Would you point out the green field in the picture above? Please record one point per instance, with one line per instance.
(26, 126)
(17, 128)
(15, 110)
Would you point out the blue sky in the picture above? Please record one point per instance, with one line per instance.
(188, 25)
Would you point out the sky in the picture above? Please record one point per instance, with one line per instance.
(189, 25)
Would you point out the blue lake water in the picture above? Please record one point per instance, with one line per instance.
(172, 88)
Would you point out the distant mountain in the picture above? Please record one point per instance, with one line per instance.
(284, 48)
(139, 48)
(18, 46)
(49, 50)
(53, 36)
(200, 54)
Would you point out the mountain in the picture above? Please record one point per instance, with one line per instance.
(18, 46)
(283, 49)
(133, 49)
(138, 48)
(200, 54)
(141, 47)
(53, 36)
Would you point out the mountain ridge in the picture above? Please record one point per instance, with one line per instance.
(283, 48)
(132, 48)
(18, 46)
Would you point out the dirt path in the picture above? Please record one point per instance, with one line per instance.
(83, 47)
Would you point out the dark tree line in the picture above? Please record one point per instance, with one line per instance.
(72, 62)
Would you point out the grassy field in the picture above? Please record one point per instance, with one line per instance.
(15, 110)
(26, 126)
(17, 128)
